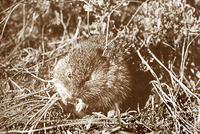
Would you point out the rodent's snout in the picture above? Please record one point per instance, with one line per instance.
(68, 98)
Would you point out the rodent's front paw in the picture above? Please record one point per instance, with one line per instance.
(80, 105)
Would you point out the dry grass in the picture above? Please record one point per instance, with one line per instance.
(162, 37)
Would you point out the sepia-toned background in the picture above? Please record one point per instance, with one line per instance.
(159, 38)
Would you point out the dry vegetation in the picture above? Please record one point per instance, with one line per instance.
(164, 35)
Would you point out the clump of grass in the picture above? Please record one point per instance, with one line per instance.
(161, 37)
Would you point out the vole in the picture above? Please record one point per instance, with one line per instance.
(94, 76)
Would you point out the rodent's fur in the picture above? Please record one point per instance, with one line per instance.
(95, 74)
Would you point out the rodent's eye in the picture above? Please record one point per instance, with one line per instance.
(87, 78)
(69, 75)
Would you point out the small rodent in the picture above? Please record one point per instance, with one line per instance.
(93, 76)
